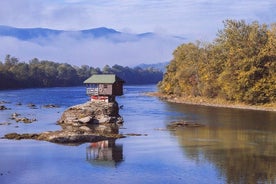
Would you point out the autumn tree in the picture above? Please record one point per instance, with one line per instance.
(238, 66)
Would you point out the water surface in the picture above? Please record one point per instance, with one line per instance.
(234, 146)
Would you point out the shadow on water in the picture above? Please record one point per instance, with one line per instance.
(104, 153)
(241, 144)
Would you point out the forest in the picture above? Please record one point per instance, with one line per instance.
(16, 74)
(239, 65)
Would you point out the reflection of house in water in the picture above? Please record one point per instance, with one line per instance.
(105, 153)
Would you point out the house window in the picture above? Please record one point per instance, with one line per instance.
(105, 86)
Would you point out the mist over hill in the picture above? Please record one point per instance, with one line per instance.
(93, 47)
(101, 32)
(157, 66)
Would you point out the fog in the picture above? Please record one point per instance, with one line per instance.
(125, 50)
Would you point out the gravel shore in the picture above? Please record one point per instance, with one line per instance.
(211, 102)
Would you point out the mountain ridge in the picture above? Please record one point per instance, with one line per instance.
(33, 33)
(96, 46)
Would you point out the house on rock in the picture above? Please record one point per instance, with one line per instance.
(104, 87)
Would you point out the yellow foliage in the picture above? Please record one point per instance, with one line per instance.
(240, 65)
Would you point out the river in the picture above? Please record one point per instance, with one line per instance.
(233, 146)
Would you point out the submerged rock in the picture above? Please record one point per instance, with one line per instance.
(32, 106)
(25, 120)
(21, 136)
(3, 102)
(63, 137)
(3, 107)
(5, 123)
(15, 116)
(180, 124)
(51, 106)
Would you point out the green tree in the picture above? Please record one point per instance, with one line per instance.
(106, 69)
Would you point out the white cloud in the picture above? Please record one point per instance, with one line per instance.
(182, 17)
(193, 19)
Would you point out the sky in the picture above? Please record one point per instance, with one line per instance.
(190, 19)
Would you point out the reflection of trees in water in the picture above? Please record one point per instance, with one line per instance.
(242, 156)
(243, 165)
(225, 117)
(105, 153)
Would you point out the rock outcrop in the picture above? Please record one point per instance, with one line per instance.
(97, 117)
(2, 107)
(88, 122)
(16, 117)
(183, 124)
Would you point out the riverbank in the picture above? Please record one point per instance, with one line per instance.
(212, 102)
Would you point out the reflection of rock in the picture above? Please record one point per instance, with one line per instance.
(88, 122)
(104, 153)
(179, 124)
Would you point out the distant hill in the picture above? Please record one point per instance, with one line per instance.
(33, 33)
(158, 66)
(93, 47)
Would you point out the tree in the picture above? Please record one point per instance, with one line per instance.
(238, 66)
(36, 73)
(106, 69)
(10, 61)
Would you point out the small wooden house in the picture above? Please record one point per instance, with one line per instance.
(104, 87)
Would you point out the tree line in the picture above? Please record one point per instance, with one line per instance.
(42, 73)
(239, 65)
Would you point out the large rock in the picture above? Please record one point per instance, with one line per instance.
(96, 117)
(63, 137)
(88, 122)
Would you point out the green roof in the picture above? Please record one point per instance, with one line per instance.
(102, 79)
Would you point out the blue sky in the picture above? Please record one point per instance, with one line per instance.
(192, 19)
(181, 17)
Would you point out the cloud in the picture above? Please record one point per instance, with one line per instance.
(92, 51)
(193, 19)
(181, 17)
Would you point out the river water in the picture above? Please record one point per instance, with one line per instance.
(234, 146)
